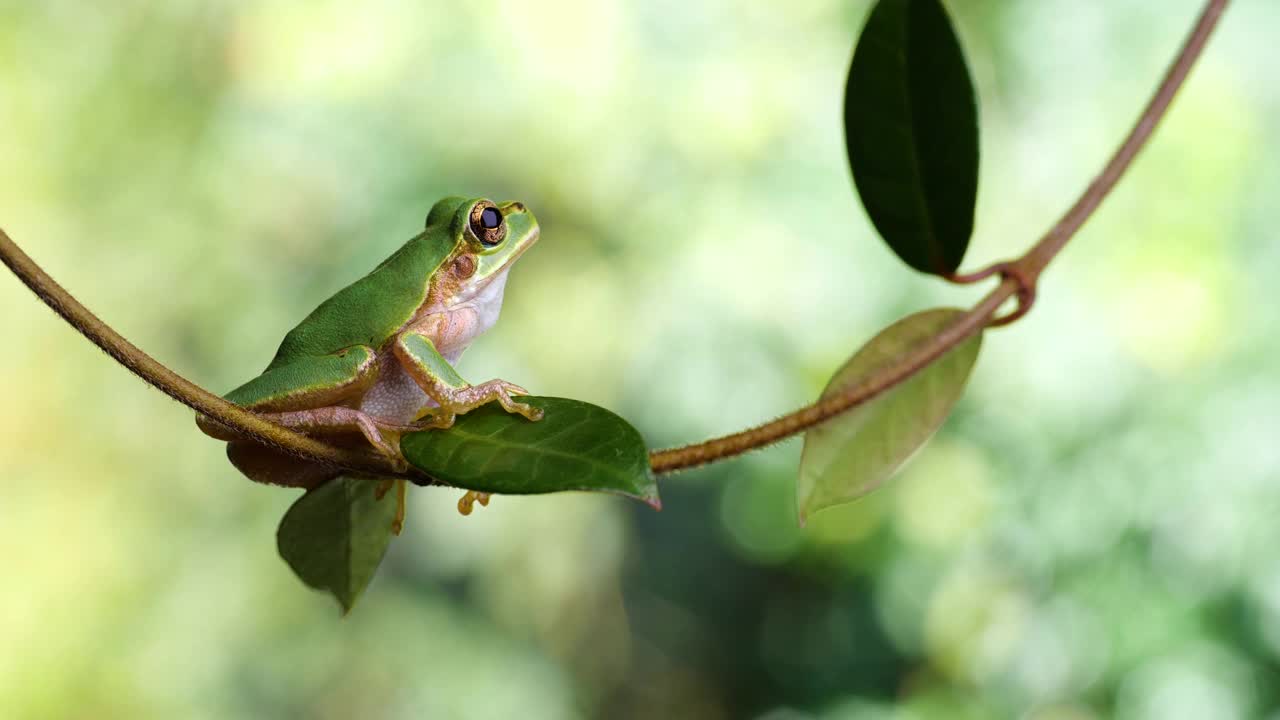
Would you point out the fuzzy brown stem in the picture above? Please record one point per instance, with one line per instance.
(1018, 279)
(178, 387)
(1029, 267)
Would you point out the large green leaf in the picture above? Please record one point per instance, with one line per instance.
(334, 536)
(911, 128)
(576, 446)
(853, 454)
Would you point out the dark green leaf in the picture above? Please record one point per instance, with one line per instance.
(576, 446)
(853, 454)
(911, 127)
(334, 536)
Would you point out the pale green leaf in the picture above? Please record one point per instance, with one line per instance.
(856, 452)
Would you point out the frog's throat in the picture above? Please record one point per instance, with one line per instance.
(485, 299)
(485, 286)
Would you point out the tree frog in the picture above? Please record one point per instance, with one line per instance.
(376, 359)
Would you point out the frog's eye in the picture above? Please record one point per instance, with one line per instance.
(487, 224)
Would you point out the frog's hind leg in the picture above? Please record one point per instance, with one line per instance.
(337, 419)
(309, 382)
(314, 395)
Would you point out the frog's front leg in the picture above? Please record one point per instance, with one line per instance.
(417, 352)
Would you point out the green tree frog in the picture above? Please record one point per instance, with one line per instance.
(376, 359)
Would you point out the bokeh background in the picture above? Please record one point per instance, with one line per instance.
(1092, 535)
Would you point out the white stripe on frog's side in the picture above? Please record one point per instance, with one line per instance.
(395, 397)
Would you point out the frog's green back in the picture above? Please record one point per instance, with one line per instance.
(371, 309)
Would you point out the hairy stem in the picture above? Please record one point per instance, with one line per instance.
(1019, 278)
(178, 387)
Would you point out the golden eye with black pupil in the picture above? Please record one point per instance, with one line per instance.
(487, 224)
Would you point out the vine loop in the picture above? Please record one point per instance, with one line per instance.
(1018, 279)
(1023, 278)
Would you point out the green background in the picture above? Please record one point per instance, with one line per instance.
(1092, 535)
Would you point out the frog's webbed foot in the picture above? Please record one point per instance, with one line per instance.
(466, 399)
(467, 502)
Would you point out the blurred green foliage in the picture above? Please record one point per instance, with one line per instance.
(1090, 536)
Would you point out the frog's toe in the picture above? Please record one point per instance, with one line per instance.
(392, 454)
(380, 492)
(441, 419)
(529, 412)
(467, 502)
(513, 389)
(515, 407)
(397, 522)
(382, 488)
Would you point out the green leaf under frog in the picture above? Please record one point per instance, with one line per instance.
(576, 446)
(335, 535)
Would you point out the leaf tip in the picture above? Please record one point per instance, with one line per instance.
(345, 607)
(806, 506)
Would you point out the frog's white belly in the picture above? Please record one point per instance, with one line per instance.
(395, 397)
